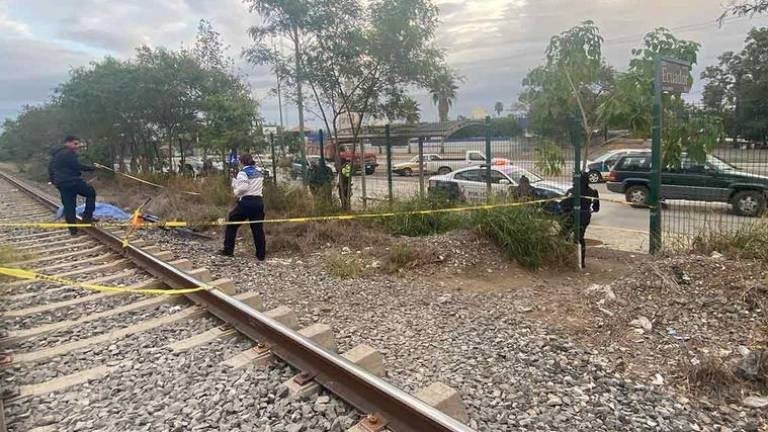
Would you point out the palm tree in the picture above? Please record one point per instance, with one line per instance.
(443, 89)
(499, 108)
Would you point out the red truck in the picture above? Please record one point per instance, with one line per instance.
(346, 155)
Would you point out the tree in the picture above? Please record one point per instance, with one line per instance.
(282, 18)
(131, 107)
(737, 88)
(571, 87)
(685, 129)
(360, 57)
(499, 108)
(443, 89)
(745, 8)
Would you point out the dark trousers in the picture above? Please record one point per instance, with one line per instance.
(567, 230)
(69, 192)
(249, 208)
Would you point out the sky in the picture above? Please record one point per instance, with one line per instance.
(491, 43)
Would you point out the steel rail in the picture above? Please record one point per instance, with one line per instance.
(396, 409)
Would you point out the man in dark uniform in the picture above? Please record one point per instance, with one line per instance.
(589, 203)
(64, 172)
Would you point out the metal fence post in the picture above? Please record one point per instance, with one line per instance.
(488, 189)
(655, 218)
(388, 143)
(576, 139)
(421, 167)
(362, 174)
(274, 157)
(322, 150)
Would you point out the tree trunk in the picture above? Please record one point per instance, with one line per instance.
(443, 108)
(299, 94)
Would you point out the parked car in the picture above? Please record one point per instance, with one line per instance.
(412, 166)
(601, 166)
(296, 166)
(469, 184)
(713, 180)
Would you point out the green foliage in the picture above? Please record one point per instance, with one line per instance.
(414, 224)
(343, 266)
(566, 94)
(501, 127)
(134, 109)
(443, 88)
(745, 8)
(499, 108)
(526, 235)
(737, 89)
(400, 256)
(691, 132)
(750, 242)
(291, 201)
(549, 158)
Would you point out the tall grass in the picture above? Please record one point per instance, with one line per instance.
(526, 235)
(749, 242)
(410, 224)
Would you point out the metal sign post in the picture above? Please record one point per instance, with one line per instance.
(488, 158)
(672, 76)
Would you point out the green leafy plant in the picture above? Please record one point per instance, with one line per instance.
(549, 159)
(343, 266)
(410, 223)
(526, 235)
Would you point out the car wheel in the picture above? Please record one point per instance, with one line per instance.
(637, 196)
(443, 170)
(749, 203)
(407, 172)
(595, 177)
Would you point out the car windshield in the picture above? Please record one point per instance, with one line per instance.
(516, 173)
(605, 157)
(719, 164)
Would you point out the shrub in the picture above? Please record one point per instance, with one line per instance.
(526, 235)
(750, 242)
(288, 201)
(400, 255)
(343, 266)
(412, 224)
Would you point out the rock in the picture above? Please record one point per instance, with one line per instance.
(642, 323)
(658, 380)
(755, 402)
(554, 401)
(716, 255)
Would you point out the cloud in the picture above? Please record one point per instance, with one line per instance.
(493, 43)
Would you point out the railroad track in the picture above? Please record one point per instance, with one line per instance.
(74, 359)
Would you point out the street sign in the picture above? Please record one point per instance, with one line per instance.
(675, 76)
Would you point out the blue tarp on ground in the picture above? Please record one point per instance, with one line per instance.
(103, 211)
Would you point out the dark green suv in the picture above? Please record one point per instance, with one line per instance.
(713, 180)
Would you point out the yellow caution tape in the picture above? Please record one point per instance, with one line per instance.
(139, 179)
(138, 223)
(25, 274)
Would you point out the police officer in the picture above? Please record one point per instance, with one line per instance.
(64, 172)
(589, 203)
(247, 187)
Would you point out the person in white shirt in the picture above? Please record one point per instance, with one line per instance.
(247, 187)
